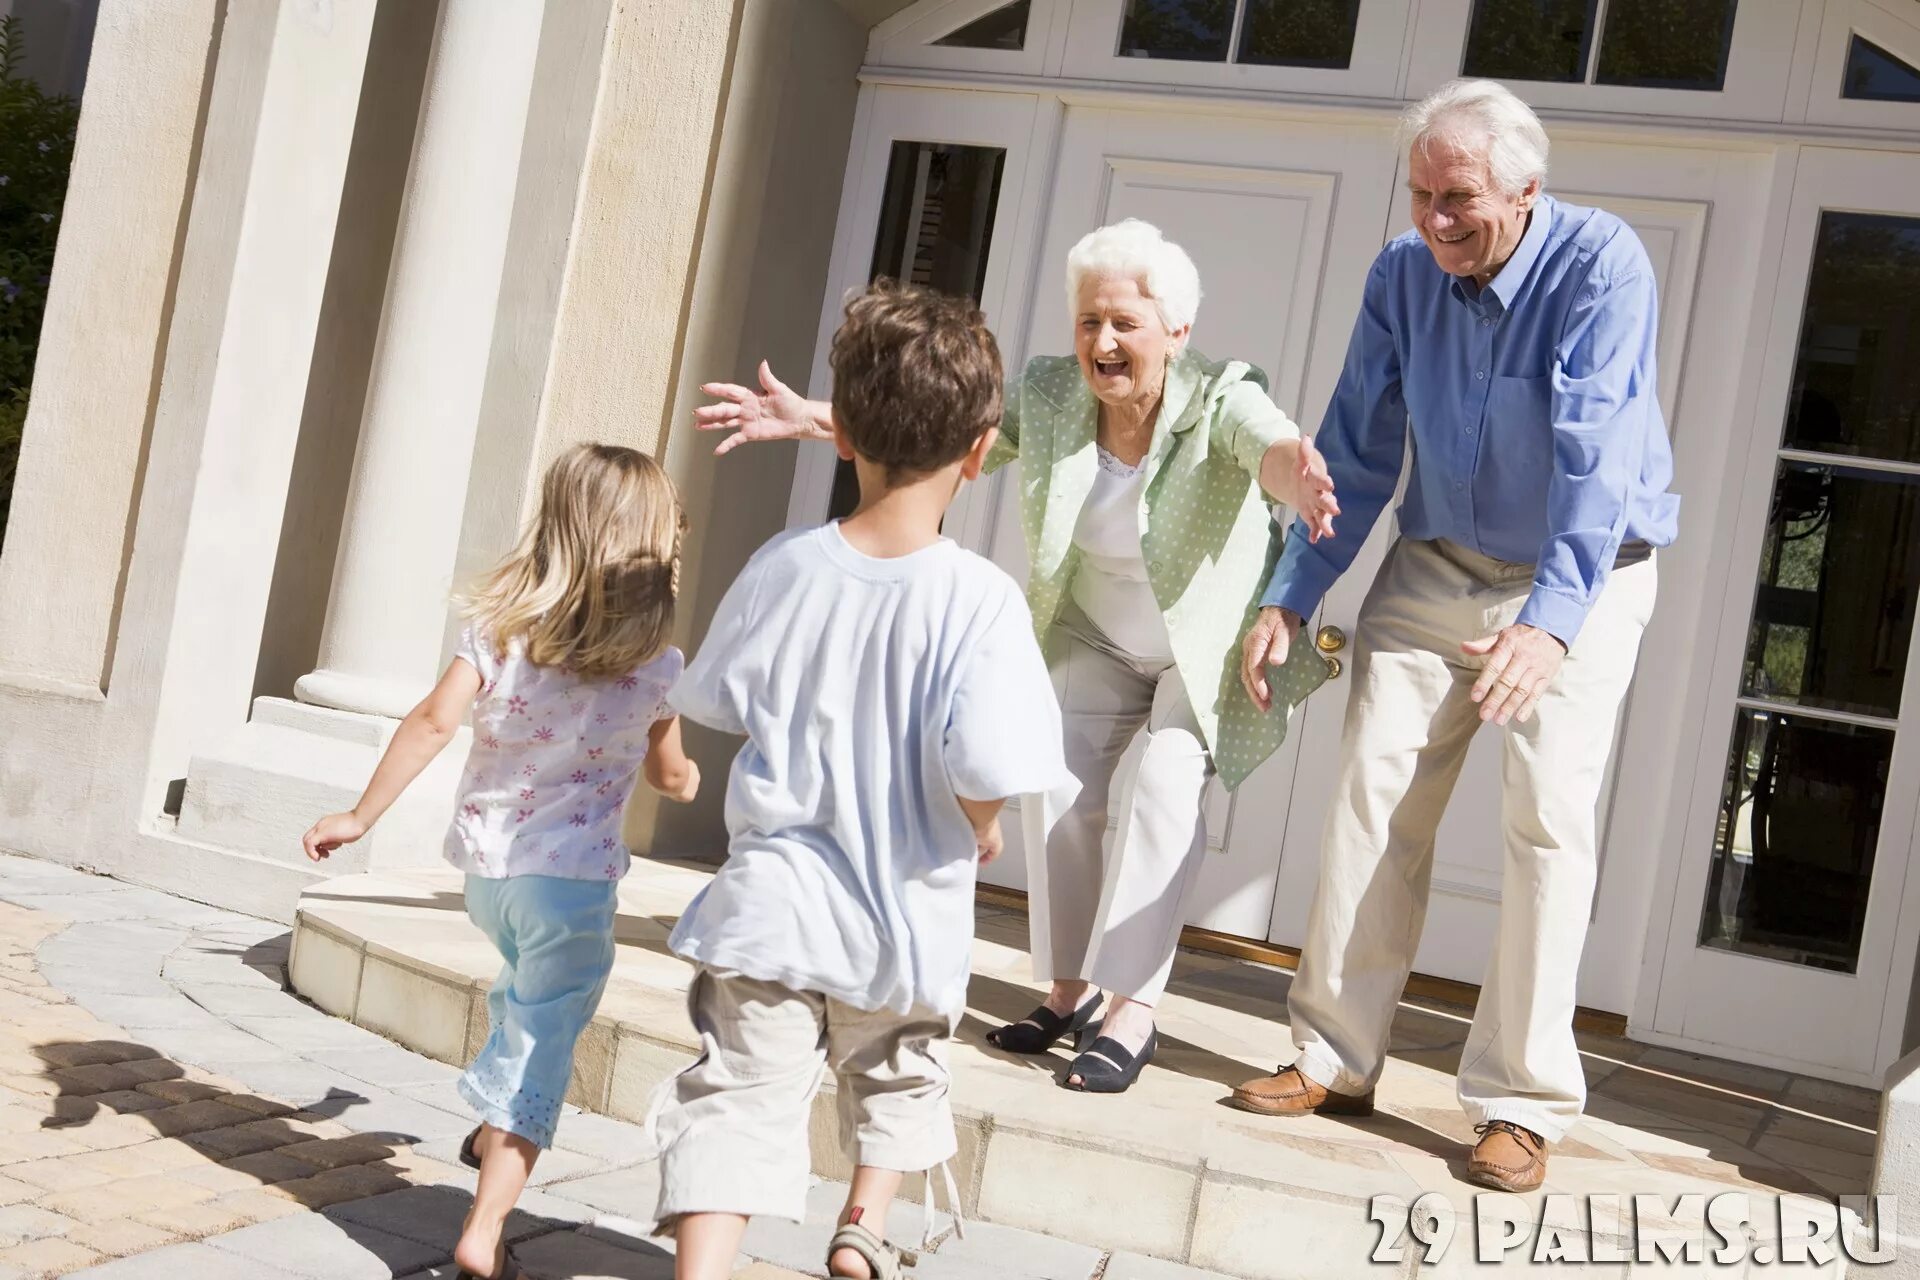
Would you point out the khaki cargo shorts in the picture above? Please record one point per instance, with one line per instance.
(732, 1128)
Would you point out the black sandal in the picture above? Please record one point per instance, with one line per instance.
(1107, 1067)
(1040, 1030)
(468, 1156)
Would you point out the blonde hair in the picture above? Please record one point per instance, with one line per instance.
(591, 585)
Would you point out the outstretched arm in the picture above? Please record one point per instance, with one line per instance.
(1294, 472)
(774, 412)
(421, 736)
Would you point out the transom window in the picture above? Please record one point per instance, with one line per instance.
(1653, 44)
(1005, 28)
(1273, 33)
(1875, 75)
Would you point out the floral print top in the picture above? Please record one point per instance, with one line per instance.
(554, 757)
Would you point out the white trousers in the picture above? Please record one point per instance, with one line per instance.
(1110, 912)
(1409, 722)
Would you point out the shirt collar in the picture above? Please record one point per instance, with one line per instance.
(1506, 285)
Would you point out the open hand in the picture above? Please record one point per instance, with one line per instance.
(1313, 497)
(775, 412)
(328, 834)
(1521, 663)
(1267, 644)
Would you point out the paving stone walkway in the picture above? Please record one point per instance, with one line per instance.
(168, 1111)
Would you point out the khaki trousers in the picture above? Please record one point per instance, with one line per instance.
(1409, 722)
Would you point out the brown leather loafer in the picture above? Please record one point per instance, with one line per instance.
(1507, 1157)
(1288, 1093)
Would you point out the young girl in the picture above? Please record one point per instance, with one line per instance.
(565, 667)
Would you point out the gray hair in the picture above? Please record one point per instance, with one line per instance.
(1482, 111)
(1135, 250)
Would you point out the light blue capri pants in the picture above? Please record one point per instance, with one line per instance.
(556, 936)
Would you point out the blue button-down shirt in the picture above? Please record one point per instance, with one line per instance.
(1537, 432)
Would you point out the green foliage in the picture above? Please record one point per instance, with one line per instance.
(36, 150)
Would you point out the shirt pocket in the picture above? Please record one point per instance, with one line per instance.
(1516, 457)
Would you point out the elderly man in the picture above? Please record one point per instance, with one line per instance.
(1513, 335)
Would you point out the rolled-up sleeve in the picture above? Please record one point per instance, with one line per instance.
(1604, 404)
(1364, 438)
(1246, 423)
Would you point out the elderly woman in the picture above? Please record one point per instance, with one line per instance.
(1146, 473)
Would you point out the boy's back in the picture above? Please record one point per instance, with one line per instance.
(873, 692)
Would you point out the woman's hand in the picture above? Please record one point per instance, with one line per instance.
(1267, 644)
(1313, 498)
(1294, 472)
(328, 834)
(775, 412)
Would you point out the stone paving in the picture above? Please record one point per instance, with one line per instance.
(169, 1110)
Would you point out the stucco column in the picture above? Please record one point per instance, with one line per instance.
(381, 646)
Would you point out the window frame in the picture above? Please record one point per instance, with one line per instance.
(907, 39)
(1379, 41)
(1874, 22)
(1759, 64)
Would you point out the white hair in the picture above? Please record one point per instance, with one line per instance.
(1135, 250)
(1483, 112)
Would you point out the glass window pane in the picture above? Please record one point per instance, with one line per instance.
(1878, 76)
(1529, 39)
(1185, 30)
(1793, 853)
(1856, 381)
(1667, 44)
(1299, 33)
(936, 228)
(1004, 28)
(1839, 574)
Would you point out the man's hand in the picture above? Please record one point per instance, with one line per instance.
(1267, 644)
(1521, 663)
(990, 842)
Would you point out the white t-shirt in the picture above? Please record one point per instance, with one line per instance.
(1110, 583)
(872, 694)
(554, 758)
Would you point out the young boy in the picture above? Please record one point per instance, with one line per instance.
(893, 696)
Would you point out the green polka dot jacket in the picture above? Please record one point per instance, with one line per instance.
(1207, 533)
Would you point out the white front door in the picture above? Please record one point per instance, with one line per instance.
(1698, 212)
(1792, 927)
(1283, 221)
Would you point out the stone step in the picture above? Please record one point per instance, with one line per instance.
(257, 791)
(1165, 1173)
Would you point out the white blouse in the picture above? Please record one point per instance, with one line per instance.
(1110, 585)
(553, 759)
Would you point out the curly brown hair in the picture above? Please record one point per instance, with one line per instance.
(916, 378)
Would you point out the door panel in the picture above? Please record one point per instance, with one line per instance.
(1282, 222)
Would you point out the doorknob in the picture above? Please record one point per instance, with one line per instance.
(1330, 640)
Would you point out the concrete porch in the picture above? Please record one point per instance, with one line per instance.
(1167, 1170)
